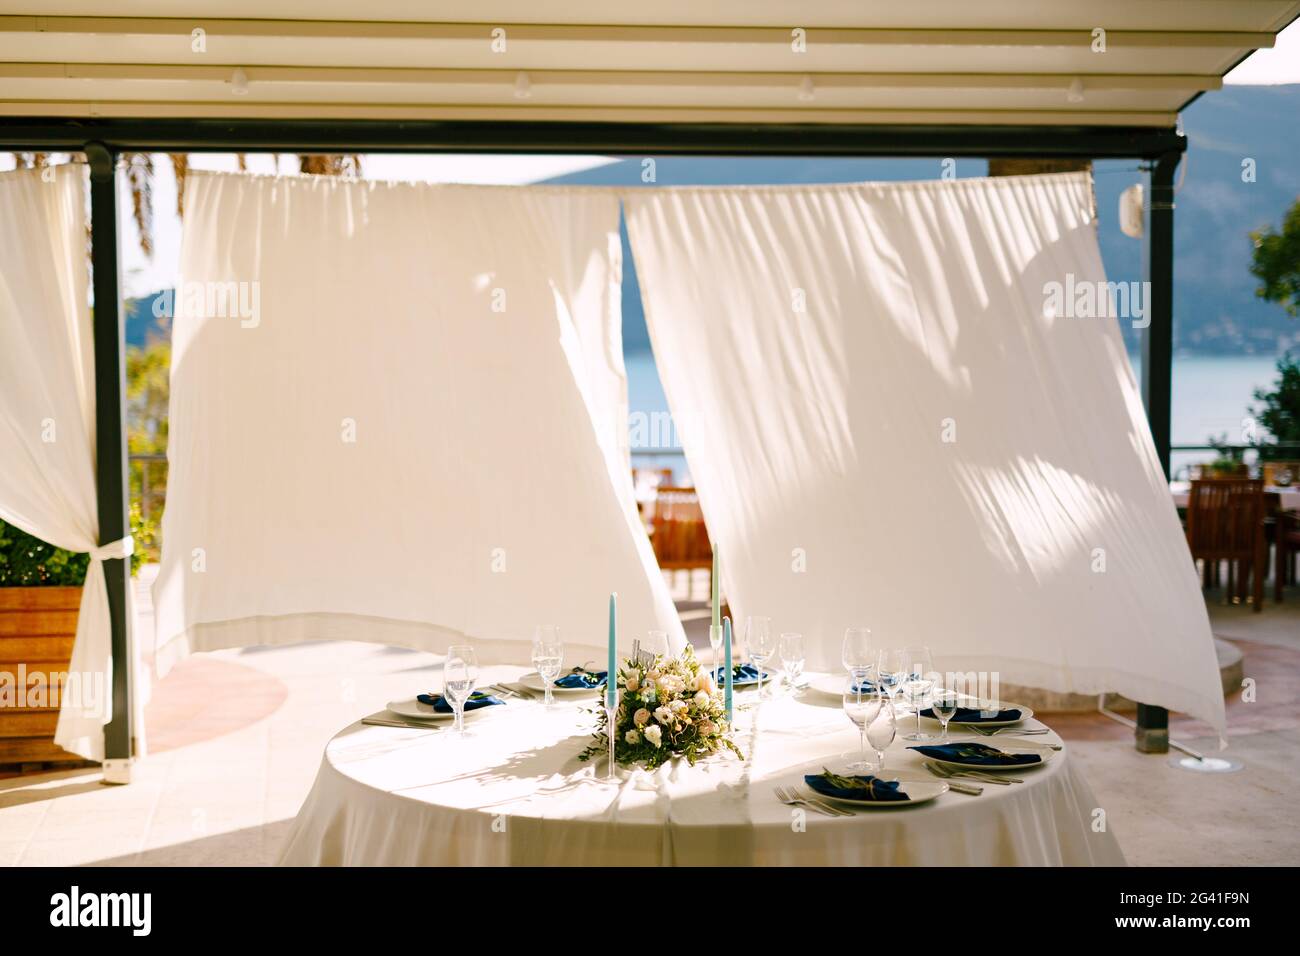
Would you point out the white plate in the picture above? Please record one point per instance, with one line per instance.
(534, 681)
(832, 685)
(917, 790)
(413, 708)
(1042, 752)
(1025, 714)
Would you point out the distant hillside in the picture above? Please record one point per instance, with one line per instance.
(1216, 311)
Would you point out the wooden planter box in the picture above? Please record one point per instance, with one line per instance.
(37, 628)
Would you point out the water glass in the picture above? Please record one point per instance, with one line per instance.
(943, 704)
(459, 677)
(856, 652)
(548, 657)
(882, 726)
(890, 671)
(917, 681)
(760, 645)
(792, 658)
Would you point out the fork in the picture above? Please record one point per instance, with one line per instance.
(994, 731)
(791, 798)
(941, 771)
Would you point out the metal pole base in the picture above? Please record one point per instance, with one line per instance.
(1151, 740)
(1206, 764)
(117, 770)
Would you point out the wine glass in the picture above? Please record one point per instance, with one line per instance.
(943, 704)
(459, 675)
(882, 726)
(890, 670)
(760, 644)
(715, 644)
(791, 651)
(548, 655)
(856, 653)
(917, 682)
(858, 706)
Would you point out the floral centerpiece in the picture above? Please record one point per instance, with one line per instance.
(670, 707)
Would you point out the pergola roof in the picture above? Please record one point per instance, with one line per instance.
(1003, 62)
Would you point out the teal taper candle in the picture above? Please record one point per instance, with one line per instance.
(726, 676)
(611, 678)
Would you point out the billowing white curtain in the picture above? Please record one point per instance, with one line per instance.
(47, 420)
(892, 423)
(390, 409)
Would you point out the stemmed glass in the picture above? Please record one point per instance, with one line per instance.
(856, 653)
(882, 726)
(916, 685)
(548, 656)
(890, 668)
(872, 714)
(792, 659)
(760, 644)
(459, 675)
(943, 704)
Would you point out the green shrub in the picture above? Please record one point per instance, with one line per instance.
(28, 562)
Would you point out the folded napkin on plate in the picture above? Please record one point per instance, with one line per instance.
(975, 754)
(875, 789)
(866, 687)
(476, 700)
(973, 715)
(739, 672)
(579, 679)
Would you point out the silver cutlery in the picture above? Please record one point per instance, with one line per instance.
(941, 771)
(790, 797)
(994, 731)
(410, 725)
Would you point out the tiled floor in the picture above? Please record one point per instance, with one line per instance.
(236, 737)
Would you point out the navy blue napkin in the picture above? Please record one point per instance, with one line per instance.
(978, 755)
(476, 700)
(866, 687)
(880, 789)
(579, 679)
(971, 715)
(740, 673)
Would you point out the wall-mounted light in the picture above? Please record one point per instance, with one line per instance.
(523, 86)
(239, 82)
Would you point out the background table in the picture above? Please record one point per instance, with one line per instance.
(1288, 498)
(515, 793)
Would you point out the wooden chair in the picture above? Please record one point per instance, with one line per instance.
(1225, 522)
(681, 542)
(1286, 547)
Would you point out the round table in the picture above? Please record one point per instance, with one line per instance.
(515, 793)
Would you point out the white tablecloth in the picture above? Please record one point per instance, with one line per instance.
(515, 793)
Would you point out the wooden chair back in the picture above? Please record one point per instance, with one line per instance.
(1225, 518)
(680, 538)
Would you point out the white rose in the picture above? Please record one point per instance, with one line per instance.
(702, 700)
(654, 734)
(652, 675)
(632, 737)
(632, 683)
(641, 717)
(708, 728)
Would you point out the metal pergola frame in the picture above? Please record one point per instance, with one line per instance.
(103, 140)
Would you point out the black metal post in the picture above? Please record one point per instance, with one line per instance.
(1152, 731)
(110, 444)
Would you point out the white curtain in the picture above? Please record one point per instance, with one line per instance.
(47, 420)
(390, 411)
(891, 424)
